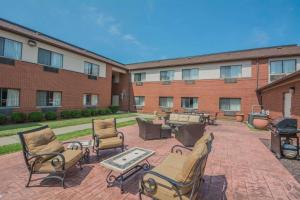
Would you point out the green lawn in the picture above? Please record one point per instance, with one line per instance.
(68, 136)
(12, 129)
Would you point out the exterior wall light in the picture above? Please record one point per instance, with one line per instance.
(31, 43)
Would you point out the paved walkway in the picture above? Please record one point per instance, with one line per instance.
(239, 167)
(58, 131)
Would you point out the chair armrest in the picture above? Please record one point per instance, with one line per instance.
(178, 149)
(121, 135)
(54, 162)
(75, 142)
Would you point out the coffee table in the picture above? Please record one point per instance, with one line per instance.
(126, 164)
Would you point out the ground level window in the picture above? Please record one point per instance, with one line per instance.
(139, 101)
(90, 100)
(9, 97)
(166, 102)
(48, 98)
(230, 104)
(189, 102)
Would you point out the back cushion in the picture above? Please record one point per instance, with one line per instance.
(39, 138)
(105, 128)
(183, 118)
(174, 117)
(194, 118)
(188, 169)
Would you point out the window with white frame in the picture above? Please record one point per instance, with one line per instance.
(230, 104)
(166, 102)
(9, 97)
(50, 58)
(190, 74)
(139, 101)
(139, 77)
(233, 71)
(48, 99)
(91, 69)
(90, 100)
(167, 75)
(189, 102)
(10, 48)
(280, 68)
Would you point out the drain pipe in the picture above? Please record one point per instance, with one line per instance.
(257, 72)
(129, 86)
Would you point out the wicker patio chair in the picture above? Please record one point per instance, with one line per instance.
(106, 135)
(188, 134)
(213, 119)
(178, 176)
(44, 154)
(148, 130)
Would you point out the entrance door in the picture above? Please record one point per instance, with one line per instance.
(287, 104)
(115, 100)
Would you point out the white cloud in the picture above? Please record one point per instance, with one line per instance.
(114, 29)
(260, 36)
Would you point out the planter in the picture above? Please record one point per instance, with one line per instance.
(260, 123)
(239, 117)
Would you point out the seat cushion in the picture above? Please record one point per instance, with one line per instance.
(105, 128)
(183, 118)
(194, 118)
(108, 143)
(36, 139)
(174, 117)
(71, 158)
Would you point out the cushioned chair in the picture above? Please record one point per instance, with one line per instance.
(106, 136)
(148, 130)
(188, 134)
(179, 175)
(44, 154)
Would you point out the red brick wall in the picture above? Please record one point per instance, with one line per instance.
(207, 91)
(29, 78)
(122, 87)
(272, 99)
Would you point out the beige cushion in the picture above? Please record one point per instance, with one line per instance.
(183, 118)
(194, 118)
(205, 139)
(71, 158)
(174, 117)
(105, 128)
(108, 143)
(38, 138)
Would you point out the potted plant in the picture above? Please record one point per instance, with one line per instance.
(239, 117)
(261, 123)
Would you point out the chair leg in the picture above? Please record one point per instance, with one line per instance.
(63, 180)
(29, 178)
(140, 194)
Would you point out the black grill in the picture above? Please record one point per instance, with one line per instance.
(284, 126)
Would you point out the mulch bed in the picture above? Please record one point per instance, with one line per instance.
(293, 166)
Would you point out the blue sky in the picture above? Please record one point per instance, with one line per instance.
(140, 30)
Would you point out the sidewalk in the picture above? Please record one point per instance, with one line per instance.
(59, 131)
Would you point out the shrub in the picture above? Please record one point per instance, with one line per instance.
(18, 117)
(86, 112)
(101, 112)
(114, 109)
(51, 115)
(94, 112)
(35, 116)
(3, 118)
(75, 113)
(66, 114)
(107, 111)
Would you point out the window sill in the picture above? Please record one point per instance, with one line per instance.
(48, 106)
(10, 107)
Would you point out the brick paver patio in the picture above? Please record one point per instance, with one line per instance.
(239, 167)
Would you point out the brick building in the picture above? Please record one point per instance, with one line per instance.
(39, 72)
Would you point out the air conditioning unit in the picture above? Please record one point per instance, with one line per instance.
(275, 77)
(139, 107)
(230, 80)
(50, 69)
(7, 61)
(166, 82)
(92, 77)
(138, 83)
(190, 82)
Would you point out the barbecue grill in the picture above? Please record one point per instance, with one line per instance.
(283, 134)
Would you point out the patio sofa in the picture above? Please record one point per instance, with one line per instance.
(44, 154)
(150, 131)
(180, 119)
(188, 134)
(180, 174)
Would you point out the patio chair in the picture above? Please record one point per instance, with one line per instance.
(106, 135)
(188, 134)
(179, 175)
(44, 154)
(148, 130)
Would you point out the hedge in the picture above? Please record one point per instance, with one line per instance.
(35, 116)
(18, 117)
(3, 118)
(51, 115)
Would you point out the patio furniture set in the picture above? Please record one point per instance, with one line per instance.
(178, 176)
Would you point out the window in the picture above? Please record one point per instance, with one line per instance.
(282, 66)
(230, 104)
(233, 71)
(48, 99)
(167, 75)
(190, 74)
(90, 100)
(139, 77)
(139, 101)
(9, 97)
(166, 102)
(10, 48)
(91, 69)
(189, 102)
(50, 58)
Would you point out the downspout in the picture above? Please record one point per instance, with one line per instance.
(259, 96)
(129, 78)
